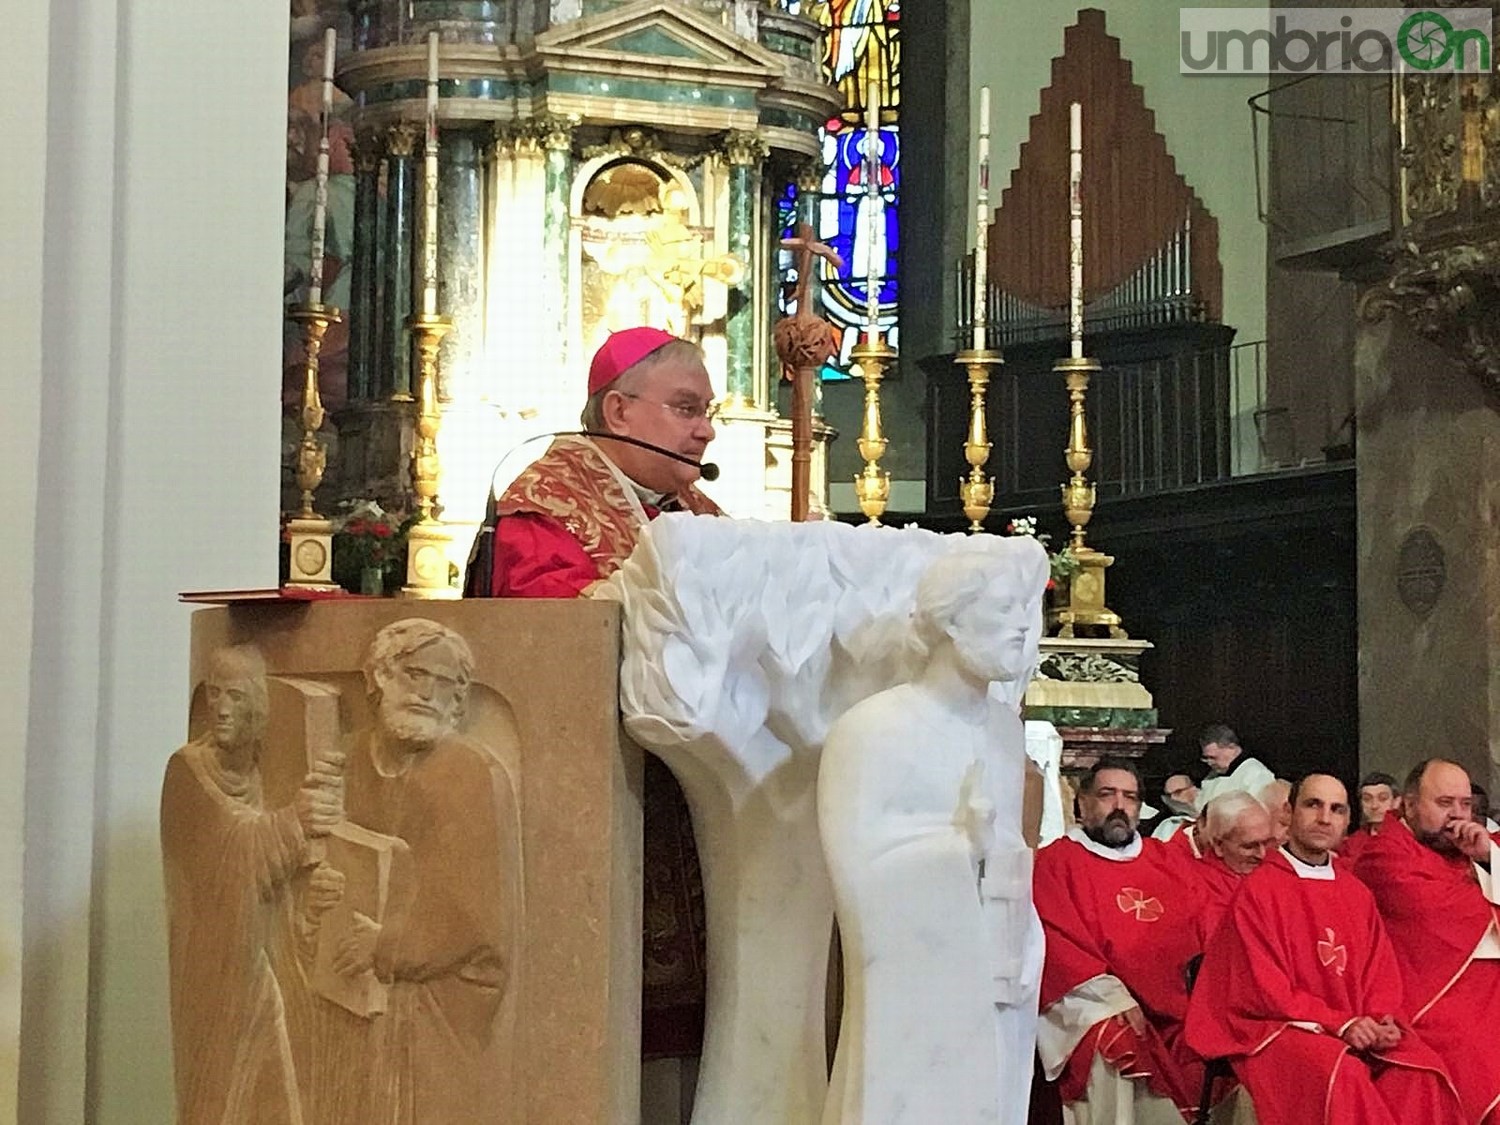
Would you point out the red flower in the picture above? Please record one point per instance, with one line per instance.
(1052, 583)
(381, 530)
(355, 527)
(1010, 528)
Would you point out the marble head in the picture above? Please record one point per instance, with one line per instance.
(986, 604)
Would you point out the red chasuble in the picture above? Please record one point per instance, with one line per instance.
(1218, 884)
(1134, 920)
(1436, 916)
(1354, 843)
(1312, 951)
(567, 521)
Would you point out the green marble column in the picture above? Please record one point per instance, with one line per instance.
(743, 151)
(362, 312)
(555, 134)
(395, 266)
(461, 263)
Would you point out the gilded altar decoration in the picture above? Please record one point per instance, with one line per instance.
(645, 260)
(1444, 265)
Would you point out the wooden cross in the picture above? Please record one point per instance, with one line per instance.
(803, 343)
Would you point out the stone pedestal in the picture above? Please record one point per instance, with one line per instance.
(1429, 557)
(542, 704)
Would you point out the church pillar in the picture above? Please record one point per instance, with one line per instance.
(555, 133)
(362, 311)
(395, 251)
(460, 264)
(744, 151)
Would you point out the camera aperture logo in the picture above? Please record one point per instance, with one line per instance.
(1335, 40)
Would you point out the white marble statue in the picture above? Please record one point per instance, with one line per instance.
(919, 808)
(743, 642)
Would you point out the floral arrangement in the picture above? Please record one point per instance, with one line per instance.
(1064, 564)
(368, 541)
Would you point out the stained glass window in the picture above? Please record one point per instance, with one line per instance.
(861, 46)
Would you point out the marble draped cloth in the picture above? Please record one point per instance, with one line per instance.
(743, 641)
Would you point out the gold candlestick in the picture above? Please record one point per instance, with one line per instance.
(311, 548)
(873, 485)
(428, 540)
(978, 490)
(1085, 604)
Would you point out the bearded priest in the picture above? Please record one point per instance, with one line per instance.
(1119, 919)
(1432, 871)
(1300, 990)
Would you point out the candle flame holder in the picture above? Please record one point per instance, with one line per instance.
(978, 490)
(311, 547)
(1084, 604)
(873, 485)
(428, 540)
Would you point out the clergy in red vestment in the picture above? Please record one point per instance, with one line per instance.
(1187, 845)
(1240, 833)
(573, 516)
(1300, 990)
(1378, 799)
(1119, 919)
(1431, 872)
(568, 522)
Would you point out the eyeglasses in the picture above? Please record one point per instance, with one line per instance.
(706, 411)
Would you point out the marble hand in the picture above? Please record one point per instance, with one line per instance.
(356, 952)
(976, 813)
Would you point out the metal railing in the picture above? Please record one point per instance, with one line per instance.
(1324, 160)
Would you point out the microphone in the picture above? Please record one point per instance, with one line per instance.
(481, 555)
(706, 469)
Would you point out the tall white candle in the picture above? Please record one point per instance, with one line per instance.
(982, 225)
(1075, 230)
(320, 187)
(875, 205)
(430, 184)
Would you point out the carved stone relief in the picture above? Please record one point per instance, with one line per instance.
(343, 870)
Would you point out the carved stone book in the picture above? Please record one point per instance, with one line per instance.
(375, 867)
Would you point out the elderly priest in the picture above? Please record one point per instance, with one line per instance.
(568, 522)
(1300, 990)
(571, 518)
(1432, 872)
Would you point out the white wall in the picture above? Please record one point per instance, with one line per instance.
(1205, 119)
(22, 176)
(156, 471)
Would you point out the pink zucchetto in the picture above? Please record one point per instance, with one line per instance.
(622, 351)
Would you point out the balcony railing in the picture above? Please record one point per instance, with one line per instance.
(1325, 164)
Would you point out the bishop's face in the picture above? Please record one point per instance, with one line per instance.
(669, 404)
